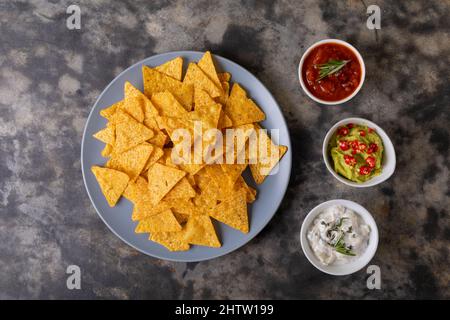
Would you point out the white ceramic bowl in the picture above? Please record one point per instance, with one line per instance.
(346, 44)
(389, 159)
(353, 266)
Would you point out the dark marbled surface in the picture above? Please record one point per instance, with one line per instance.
(50, 77)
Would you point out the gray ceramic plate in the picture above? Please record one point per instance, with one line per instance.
(118, 219)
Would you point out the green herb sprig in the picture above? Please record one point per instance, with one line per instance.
(332, 66)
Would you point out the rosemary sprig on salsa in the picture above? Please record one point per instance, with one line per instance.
(332, 66)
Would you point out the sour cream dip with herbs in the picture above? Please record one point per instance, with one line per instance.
(338, 236)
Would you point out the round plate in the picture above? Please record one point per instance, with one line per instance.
(118, 219)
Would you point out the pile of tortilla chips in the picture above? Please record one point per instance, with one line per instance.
(174, 203)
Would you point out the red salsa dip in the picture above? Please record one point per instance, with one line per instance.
(337, 85)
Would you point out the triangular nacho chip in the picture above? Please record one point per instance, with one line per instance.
(242, 110)
(263, 168)
(112, 183)
(202, 98)
(233, 211)
(206, 64)
(182, 190)
(156, 154)
(174, 241)
(173, 68)
(209, 115)
(107, 135)
(132, 161)
(200, 231)
(224, 76)
(109, 111)
(107, 150)
(167, 105)
(155, 82)
(130, 133)
(161, 179)
(196, 77)
(161, 222)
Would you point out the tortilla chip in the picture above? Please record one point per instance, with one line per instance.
(109, 111)
(133, 106)
(233, 171)
(209, 115)
(206, 64)
(172, 68)
(161, 179)
(200, 231)
(130, 133)
(156, 154)
(144, 210)
(202, 98)
(233, 211)
(182, 190)
(224, 121)
(224, 76)
(250, 192)
(196, 77)
(226, 93)
(242, 110)
(161, 222)
(174, 241)
(107, 150)
(159, 139)
(107, 135)
(181, 217)
(155, 82)
(112, 183)
(167, 105)
(261, 170)
(132, 161)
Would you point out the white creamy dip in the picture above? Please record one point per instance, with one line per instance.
(338, 236)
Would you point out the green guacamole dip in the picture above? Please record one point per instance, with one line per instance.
(357, 152)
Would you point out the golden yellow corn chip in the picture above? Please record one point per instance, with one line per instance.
(196, 77)
(233, 211)
(209, 115)
(168, 106)
(109, 111)
(136, 190)
(261, 170)
(157, 153)
(107, 135)
(132, 161)
(130, 133)
(185, 207)
(226, 92)
(233, 171)
(112, 183)
(202, 98)
(174, 241)
(144, 210)
(200, 231)
(161, 222)
(250, 192)
(206, 64)
(182, 190)
(134, 107)
(224, 76)
(224, 121)
(107, 150)
(155, 82)
(161, 179)
(242, 110)
(159, 139)
(173, 68)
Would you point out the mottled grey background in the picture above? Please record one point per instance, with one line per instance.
(50, 77)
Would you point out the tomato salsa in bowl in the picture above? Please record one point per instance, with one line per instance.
(331, 71)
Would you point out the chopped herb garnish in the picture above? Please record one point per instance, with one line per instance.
(332, 66)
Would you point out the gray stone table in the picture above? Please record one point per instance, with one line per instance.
(50, 77)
